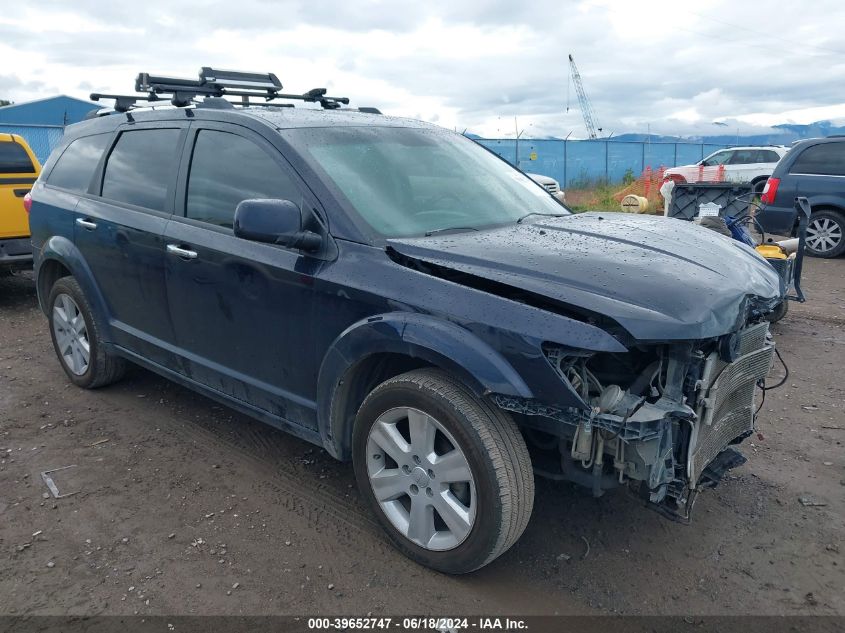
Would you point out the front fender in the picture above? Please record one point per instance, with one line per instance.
(61, 250)
(435, 341)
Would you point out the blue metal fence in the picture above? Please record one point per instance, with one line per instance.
(585, 163)
(41, 138)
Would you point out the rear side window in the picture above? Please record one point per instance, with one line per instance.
(77, 163)
(14, 159)
(744, 157)
(226, 169)
(827, 159)
(141, 167)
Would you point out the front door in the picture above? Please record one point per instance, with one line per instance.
(241, 310)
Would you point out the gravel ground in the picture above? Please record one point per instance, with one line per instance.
(185, 507)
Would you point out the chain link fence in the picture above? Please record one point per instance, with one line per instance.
(41, 138)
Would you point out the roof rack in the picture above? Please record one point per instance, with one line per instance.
(216, 83)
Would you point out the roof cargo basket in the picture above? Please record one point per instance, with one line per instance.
(214, 82)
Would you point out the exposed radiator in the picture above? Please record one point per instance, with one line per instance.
(727, 411)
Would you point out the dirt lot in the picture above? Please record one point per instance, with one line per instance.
(185, 507)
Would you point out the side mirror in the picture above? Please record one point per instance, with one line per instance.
(274, 222)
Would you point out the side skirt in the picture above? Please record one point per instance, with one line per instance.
(238, 405)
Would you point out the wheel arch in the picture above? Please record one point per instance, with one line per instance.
(59, 257)
(759, 180)
(825, 205)
(378, 348)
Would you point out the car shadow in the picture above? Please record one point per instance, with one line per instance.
(17, 290)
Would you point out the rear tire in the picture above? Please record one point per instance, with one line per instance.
(76, 338)
(452, 472)
(826, 234)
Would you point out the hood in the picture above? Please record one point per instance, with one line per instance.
(543, 180)
(658, 278)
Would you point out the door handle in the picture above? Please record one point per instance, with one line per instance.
(184, 253)
(86, 224)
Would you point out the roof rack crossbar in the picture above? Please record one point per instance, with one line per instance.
(216, 83)
(123, 103)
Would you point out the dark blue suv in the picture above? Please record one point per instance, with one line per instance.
(814, 169)
(396, 294)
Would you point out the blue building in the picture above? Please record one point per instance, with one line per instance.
(42, 122)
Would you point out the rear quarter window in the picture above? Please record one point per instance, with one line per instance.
(14, 159)
(826, 159)
(75, 167)
(767, 156)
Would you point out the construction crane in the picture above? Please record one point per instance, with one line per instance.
(586, 108)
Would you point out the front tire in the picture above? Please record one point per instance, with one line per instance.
(826, 234)
(778, 313)
(76, 338)
(447, 473)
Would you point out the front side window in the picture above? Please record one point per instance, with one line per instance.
(14, 159)
(226, 169)
(75, 167)
(141, 167)
(412, 181)
(827, 159)
(719, 158)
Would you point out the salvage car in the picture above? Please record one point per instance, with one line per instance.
(394, 293)
(549, 184)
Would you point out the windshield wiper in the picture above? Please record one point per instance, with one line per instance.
(553, 215)
(450, 228)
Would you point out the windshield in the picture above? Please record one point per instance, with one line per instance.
(408, 181)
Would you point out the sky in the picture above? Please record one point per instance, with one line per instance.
(493, 67)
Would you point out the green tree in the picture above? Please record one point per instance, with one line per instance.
(4, 102)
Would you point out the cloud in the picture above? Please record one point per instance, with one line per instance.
(673, 68)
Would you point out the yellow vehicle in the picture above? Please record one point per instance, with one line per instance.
(18, 170)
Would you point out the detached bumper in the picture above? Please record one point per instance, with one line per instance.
(15, 252)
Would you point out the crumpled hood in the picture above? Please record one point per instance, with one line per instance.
(659, 278)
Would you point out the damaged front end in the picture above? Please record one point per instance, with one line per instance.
(660, 419)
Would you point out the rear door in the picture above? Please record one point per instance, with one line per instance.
(120, 234)
(18, 171)
(241, 310)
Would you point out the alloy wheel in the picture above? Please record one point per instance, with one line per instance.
(421, 478)
(71, 334)
(824, 234)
